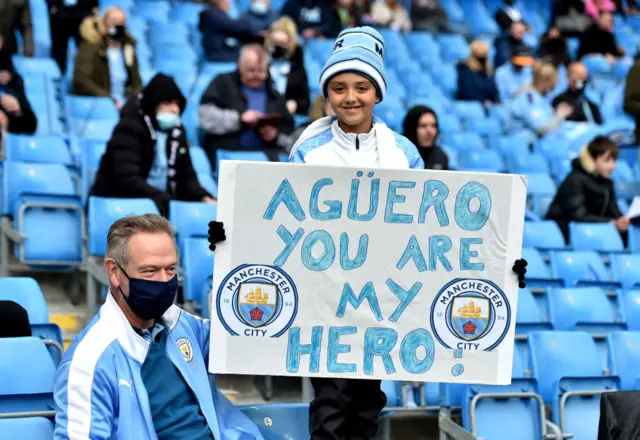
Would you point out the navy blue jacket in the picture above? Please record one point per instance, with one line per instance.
(222, 36)
(475, 86)
(318, 14)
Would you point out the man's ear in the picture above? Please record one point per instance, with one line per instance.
(112, 271)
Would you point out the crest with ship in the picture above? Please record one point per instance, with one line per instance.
(470, 316)
(257, 302)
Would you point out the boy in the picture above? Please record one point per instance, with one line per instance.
(353, 81)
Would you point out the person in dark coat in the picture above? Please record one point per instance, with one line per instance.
(475, 76)
(16, 115)
(584, 110)
(506, 44)
(286, 69)
(148, 154)
(314, 18)
(65, 18)
(598, 39)
(222, 36)
(421, 128)
(587, 193)
(553, 48)
(242, 110)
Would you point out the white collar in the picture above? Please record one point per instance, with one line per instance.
(132, 342)
(347, 141)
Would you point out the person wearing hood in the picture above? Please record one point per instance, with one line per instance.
(106, 63)
(587, 194)
(421, 128)
(148, 154)
(16, 115)
(584, 110)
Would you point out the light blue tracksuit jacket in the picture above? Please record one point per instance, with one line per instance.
(98, 389)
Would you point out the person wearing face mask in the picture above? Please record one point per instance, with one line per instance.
(106, 63)
(421, 128)
(529, 109)
(587, 194)
(286, 66)
(148, 154)
(139, 368)
(475, 76)
(260, 15)
(584, 110)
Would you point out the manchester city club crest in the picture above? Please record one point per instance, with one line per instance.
(257, 300)
(470, 314)
(185, 348)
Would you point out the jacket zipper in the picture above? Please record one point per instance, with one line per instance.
(357, 143)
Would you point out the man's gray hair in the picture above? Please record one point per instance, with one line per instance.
(123, 229)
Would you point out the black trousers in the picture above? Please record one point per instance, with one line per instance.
(345, 409)
(63, 28)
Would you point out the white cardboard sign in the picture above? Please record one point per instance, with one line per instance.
(359, 273)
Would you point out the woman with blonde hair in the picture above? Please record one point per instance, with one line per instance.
(475, 76)
(529, 109)
(286, 65)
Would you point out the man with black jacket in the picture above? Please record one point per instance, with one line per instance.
(242, 110)
(584, 110)
(64, 20)
(148, 154)
(16, 115)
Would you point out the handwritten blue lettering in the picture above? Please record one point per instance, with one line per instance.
(335, 348)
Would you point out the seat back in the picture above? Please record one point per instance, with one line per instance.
(198, 267)
(558, 354)
(530, 316)
(91, 152)
(582, 308)
(543, 235)
(599, 237)
(538, 273)
(624, 357)
(31, 428)
(625, 268)
(103, 212)
(191, 219)
(90, 107)
(199, 160)
(540, 184)
(27, 375)
(37, 149)
(579, 266)
(279, 421)
(27, 293)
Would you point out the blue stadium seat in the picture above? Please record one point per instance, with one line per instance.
(213, 69)
(447, 79)
(581, 268)
(622, 172)
(153, 11)
(31, 428)
(26, 292)
(538, 274)
(545, 235)
(256, 156)
(468, 110)
(463, 141)
(584, 309)
(565, 362)
(527, 164)
(626, 190)
(90, 155)
(625, 268)
(191, 219)
(540, 184)
(94, 129)
(486, 127)
(103, 212)
(44, 66)
(634, 239)
(197, 262)
(26, 385)
(38, 149)
(454, 47)
(530, 317)
(452, 155)
(630, 303)
(89, 107)
(187, 13)
(624, 358)
(482, 160)
(199, 159)
(599, 237)
(207, 182)
(515, 143)
(42, 198)
(287, 420)
(560, 167)
(541, 204)
(448, 123)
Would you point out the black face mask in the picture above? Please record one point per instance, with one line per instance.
(482, 60)
(150, 299)
(279, 52)
(116, 32)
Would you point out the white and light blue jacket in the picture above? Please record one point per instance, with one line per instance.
(98, 389)
(324, 143)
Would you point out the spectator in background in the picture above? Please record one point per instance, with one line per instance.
(514, 75)
(428, 15)
(553, 48)
(390, 14)
(599, 39)
(148, 154)
(222, 36)
(505, 44)
(631, 103)
(584, 110)
(14, 320)
(65, 18)
(353, 13)
(587, 194)
(530, 110)
(475, 76)
(314, 18)
(15, 15)
(508, 14)
(421, 128)
(16, 115)
(569, 17)
(242, 110)
(287, 65)
(260, 15)
(593, 8)
(106, 63)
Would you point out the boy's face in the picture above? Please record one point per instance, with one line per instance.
(605, 165)
(352, 98)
